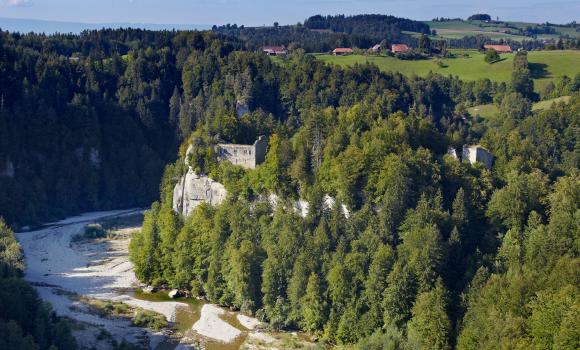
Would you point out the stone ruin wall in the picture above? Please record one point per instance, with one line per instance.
(194, 189)
(247, 156)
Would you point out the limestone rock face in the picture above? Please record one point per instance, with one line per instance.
(193, 189)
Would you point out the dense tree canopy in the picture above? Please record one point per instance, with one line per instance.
(401, 245)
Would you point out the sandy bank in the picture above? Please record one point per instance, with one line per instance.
(248, 322)
(212, 326)
(96, 269)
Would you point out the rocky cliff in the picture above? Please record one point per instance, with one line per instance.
(193, 189)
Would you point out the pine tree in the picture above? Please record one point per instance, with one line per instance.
(314, 305)
(430, 327)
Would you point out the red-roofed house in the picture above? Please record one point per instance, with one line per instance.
(499, 48)
(400, 48)
(341, 51)
(275, 50)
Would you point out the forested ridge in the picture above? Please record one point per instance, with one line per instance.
(84, 120)
(430, 253)
(375, 26)
(325, 33)
(402, 246)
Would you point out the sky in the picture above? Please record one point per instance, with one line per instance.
(265, 12)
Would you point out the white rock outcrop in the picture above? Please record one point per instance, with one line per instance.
(302, 207)
(193, 190)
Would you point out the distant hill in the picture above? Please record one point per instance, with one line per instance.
(50, 27)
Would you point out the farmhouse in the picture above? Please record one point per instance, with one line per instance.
(499, 48)
(275, 50)
(247, 156)
(400, 48)
(477, 154)
(376, 48)
(341, 51)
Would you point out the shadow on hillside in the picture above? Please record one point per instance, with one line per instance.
(538, 70)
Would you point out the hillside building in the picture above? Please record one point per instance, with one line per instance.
(400, 48)
(275, 50)
(499, 48)
(342, 51)
(477, 154)
(247, 156)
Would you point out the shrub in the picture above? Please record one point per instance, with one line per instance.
(491, 56)
(440, 64)
(149, 319)
(93, 231)
(413, 55)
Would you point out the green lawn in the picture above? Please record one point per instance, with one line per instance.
(486, 111)
(548, 103)
(460, 29)
(545, 65)
(490, 111)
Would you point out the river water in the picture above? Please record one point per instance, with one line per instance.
(186, 317)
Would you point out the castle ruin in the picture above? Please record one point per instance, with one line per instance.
(246, 156)
(477, 154)
(194, 189)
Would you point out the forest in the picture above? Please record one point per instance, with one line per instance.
(84, 119)
(375, 26)
(414, 249)
(402, 246)
(325, 33)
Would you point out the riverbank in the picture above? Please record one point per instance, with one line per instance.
(62, 268)
(67, 270)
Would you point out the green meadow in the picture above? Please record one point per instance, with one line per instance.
(460, 29)
(490, 111)
(469, 65)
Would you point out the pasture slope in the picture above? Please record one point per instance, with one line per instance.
(490, 111)
(496, 31)
(469, 65)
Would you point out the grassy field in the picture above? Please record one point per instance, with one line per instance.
(548, 103)
(486, 111)
(459, 29)
(545, 65)
(490, 111)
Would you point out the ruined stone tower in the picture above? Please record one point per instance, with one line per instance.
(247, 156)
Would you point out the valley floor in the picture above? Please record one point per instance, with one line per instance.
(66, 272)
(61, 270)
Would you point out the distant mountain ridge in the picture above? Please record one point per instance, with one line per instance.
(50, 27)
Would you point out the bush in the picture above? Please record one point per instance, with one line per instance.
(149, 319)
(491, 56)
(411, 56)
(93, 231)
